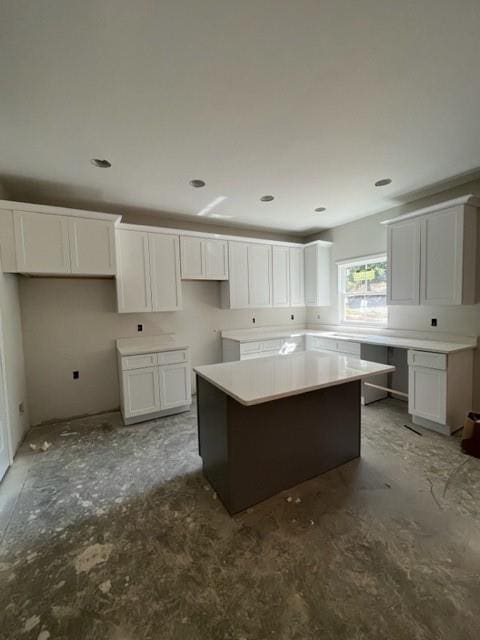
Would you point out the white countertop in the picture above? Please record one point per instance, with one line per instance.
(437, 346)
(264, 379)
(148, 344)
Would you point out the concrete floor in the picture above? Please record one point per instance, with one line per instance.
(113, 533)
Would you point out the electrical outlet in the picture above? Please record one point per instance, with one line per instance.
(292, 317)
(139, 327)
(318, 316)
(21, 408)
(76, 375)
(433, 322)
(253, 320)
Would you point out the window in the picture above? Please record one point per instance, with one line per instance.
(362, 290)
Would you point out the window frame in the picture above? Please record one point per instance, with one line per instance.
(341, 295)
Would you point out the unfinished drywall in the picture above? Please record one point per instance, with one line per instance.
(71, 324)
(11, 326)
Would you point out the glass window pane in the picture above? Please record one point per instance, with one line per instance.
(364, 292)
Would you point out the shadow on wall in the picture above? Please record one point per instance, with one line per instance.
(61, 194)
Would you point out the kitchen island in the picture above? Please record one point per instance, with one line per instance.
(266, 424)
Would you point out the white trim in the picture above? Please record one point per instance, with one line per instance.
(205, 234)
(11, 205)
(341, 293)
(471, 200)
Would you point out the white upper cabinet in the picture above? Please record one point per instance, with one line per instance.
(41, 242)
(403, 262)
(259, 275)
(134, 292)
(235, 291)
(57, 243)
(148, 271)
(297, 277)
(317, 274)
(432, 255)
(280, 276)
(249, 276)
(215, 256)
(92, 246)
(203, 258)
(441, 258)
(164, 252)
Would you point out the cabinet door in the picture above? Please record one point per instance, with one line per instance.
(403, 263)
(238, 275)
(427, 393)
(134, 293)
(441, 251)
(215, 256)
(280, 276)
(175, 386)
(141, 391)
(297, 293)
(310, 255)
(191, 258)
(41, 242)
(259, 275)
(164, 253)
(92, 246)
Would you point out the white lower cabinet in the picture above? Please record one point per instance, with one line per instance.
(159, 389)
(175, 384)
(440, 389)
(141, 392)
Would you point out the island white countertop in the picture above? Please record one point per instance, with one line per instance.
(264, 379)
(437, 346)
(148, 344)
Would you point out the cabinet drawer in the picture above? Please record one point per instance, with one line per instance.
(427, 360)
(172, 357)
(352, 348)
(323, 343)
(272, 345)
(140, 361)
(250, 347)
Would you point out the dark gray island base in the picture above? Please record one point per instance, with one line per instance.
(250, 453)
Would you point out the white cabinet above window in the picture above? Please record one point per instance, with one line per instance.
(432, 255)
(203, 258)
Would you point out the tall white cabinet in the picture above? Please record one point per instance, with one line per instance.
(432, 255)
(148, 271)
(297, 276)
(317, 274)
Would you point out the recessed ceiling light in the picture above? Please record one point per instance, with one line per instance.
(267, 198)
(383, 182)
(320, 209)
(103, 164)
(197, 183)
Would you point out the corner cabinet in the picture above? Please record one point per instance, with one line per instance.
(148, 271)
(432, 255)
(203, 258)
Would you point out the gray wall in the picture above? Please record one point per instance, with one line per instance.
(72, 323)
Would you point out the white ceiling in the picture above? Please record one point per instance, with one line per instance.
(308, 100)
